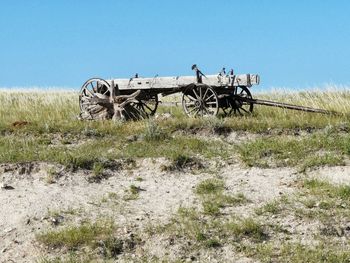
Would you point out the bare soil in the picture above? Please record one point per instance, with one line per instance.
(32, 200)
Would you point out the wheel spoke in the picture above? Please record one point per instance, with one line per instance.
(97, 85)
(85, 98)
(92, 87)
(105, 92)
(192, 109)
(198, 98)
(195, 114)
(212, 95)
(85, 103)
(91, 95)
(190, 97)
(244, 110)
(145, 105)
(205, 93)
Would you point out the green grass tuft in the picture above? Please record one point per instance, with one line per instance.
(247, 227)
(210, 186)
(310, 151)
(153, 132)
(75, 237)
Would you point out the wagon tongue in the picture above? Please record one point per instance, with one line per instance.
(286, 106)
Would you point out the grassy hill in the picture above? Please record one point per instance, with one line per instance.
(253, 187)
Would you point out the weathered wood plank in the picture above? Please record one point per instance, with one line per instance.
(176, 82)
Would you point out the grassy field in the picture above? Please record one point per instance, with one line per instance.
(56, 111)
(43, 126)
(52, 121)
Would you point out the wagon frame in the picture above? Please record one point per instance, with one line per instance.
(201, 95)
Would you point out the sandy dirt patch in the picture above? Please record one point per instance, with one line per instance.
(34, 205)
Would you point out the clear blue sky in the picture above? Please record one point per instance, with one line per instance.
(62, 43)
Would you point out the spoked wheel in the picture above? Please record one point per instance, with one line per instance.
(200, 100)
(237, 102)
(147, 106)
(93, 88)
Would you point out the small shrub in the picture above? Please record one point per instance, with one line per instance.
(201, 236)
(132, 193)
(89, 132)
(212, 243)
(51, 176)
(218, 125)
(210, 186)
(247, 228)
(237, 199)
(344, 192)
(330, 159)
(314, 184)
(326, 189)
(76, 236)
(98, 169)
(309, 203)
(134, 189)
(181, 162)
(111, 247)
(129, 163)
(97, 173)
(272, 207)
(325, 205)
(112, 195)
(211, 208)
(153, 132)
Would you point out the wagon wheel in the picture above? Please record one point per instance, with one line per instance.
(147, 106)
(237, 102)
(201, 100)
(93, 88)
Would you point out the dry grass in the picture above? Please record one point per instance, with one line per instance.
(33, 106)
(57, 111)
(45, 115)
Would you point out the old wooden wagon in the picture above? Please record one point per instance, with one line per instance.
(202, 95)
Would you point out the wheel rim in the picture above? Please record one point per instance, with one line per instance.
(94, 87)
(239, 106)
(201, 100)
